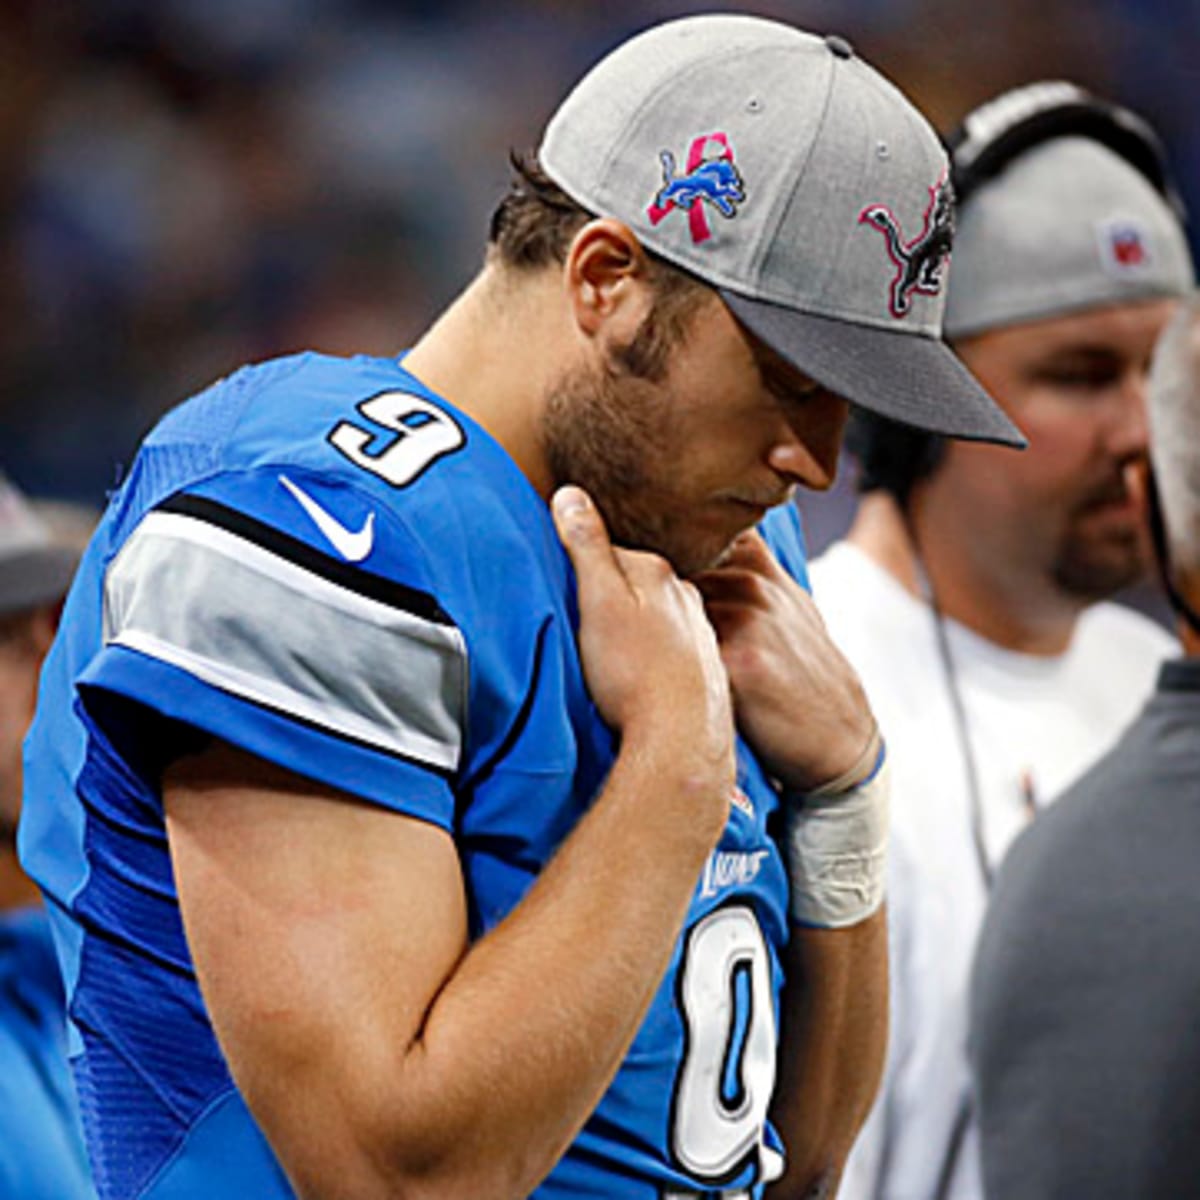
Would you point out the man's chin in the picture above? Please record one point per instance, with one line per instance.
(1103, 571)
(699, 556)
(721, 558)
(700, 550)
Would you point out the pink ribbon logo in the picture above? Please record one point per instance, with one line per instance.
(714, 180)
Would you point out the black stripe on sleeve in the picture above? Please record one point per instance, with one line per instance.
(349, 738)
(354, 579)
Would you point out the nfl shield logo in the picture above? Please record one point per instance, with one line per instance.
(1124, 246)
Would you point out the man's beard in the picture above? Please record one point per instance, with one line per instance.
(1091, 568)
(609, 432)
(1091, 577)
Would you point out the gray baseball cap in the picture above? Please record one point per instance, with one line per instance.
(1067, 226)
(35, 567)
(787, 173)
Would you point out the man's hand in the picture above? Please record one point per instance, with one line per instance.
(798, 701)
(372, 1037)
(651, 657)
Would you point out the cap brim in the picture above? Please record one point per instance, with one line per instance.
(36, 576)
(913, 379)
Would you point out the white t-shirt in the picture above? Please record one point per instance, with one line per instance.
(1035, 723)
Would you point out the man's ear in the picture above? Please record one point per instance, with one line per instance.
(606, 275)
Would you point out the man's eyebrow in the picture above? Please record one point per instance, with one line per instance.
(1083, 350)
(782, 379)
(1088, 356)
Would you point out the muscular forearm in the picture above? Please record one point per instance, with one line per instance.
(834, 1036)
(535, 1022)
(382, 1054)
(308, 961)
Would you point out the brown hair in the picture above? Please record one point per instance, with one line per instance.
(535, 221)
(532, 227)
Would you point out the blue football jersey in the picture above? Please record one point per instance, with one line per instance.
(323, 563)
(41, 1148)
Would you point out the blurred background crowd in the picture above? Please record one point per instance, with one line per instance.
(191, 184)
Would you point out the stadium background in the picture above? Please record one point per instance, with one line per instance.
(186, 185)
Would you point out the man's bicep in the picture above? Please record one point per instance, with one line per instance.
(321, 928)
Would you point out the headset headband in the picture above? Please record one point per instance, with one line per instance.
(988, 139)
(996, 133)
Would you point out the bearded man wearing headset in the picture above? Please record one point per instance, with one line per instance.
(972, 591)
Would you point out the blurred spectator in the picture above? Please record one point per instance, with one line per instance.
(189, 184)
(41, 1150)
(1084, 1039)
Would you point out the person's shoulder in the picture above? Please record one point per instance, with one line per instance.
(837, 565)
(1081, 820)
(1117, 628)
(382, 536)
(367, 410)
(347, 455)
(861, 601)
(254, 422)
(840, 575)
(845, 574)
(216, 410)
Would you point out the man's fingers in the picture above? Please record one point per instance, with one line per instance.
(579, 524)
(746, 573)
(749, 549)
(582, 530)
(748, 554)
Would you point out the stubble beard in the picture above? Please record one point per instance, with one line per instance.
(1091, 567)
(1089, 575)
(609, 432)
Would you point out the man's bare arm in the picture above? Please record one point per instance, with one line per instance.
(380, 1052)
(832, 1044)
(802, 707)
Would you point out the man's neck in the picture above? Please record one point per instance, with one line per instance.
(494, 353)
(1029, 621)
(17, 890)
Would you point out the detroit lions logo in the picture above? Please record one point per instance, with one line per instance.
(715, 180)
(711, 179)
(920, 263)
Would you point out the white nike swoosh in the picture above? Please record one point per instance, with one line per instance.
(353, 545)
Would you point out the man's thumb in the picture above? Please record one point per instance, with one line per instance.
(581, 528)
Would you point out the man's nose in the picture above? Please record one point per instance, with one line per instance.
(1128, 431)
(810, 442)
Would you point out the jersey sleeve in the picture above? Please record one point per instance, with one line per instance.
(229, 610)
(784, 533)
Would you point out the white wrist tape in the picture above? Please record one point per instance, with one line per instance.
(836, 847)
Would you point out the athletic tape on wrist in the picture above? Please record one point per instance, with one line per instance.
(836, 846)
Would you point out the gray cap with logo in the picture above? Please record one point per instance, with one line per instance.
(35, 567)
(786, 172)
(1067, 226)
